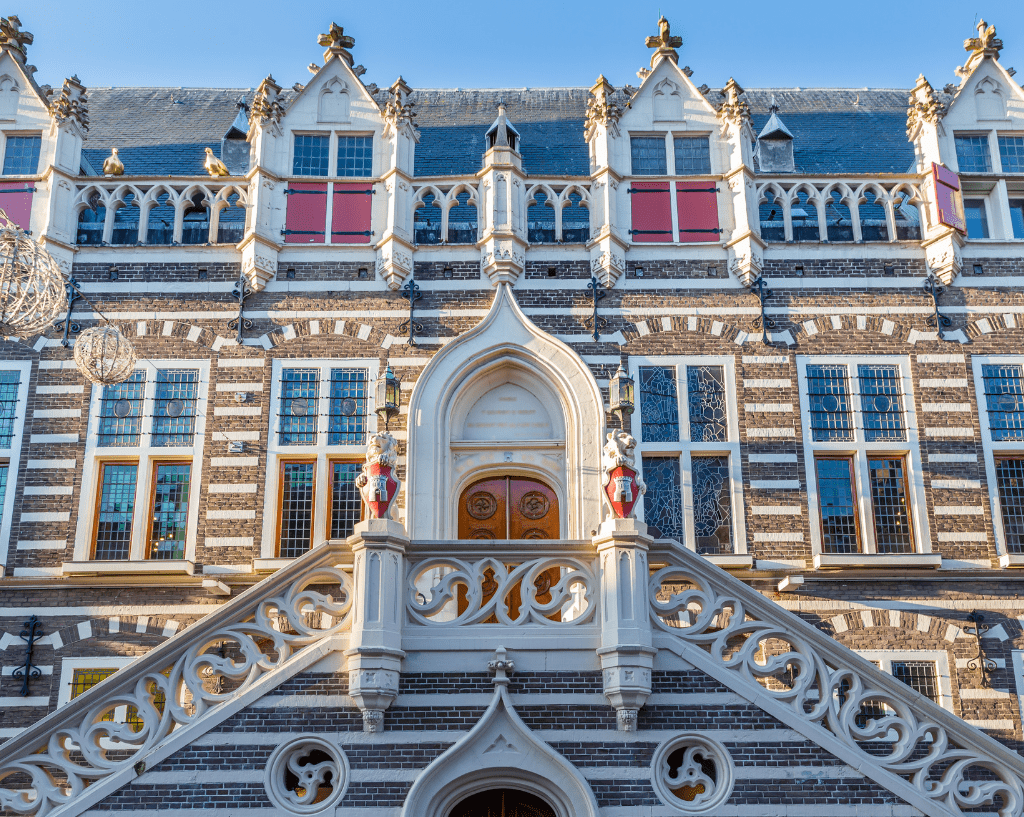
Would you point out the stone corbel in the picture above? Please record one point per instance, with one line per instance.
(942, 254)
(394, 262)
(503, 259)
(259, 261)
(607, 260)
(746, 258)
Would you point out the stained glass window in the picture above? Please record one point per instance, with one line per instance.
(169, 514)
(1011, 153)
(120, 421)
(174, 407)
(705, 386)
(21, 158)
(300, 393)
(659, 404)
(712, 504)
(693, 155)
(663, 505)
(881, 403)
(312, 155)
(296, 516)
(1004, 399)
(888, 479)
(972, 154)
(347, 424)
(85, 679)
(1010, 482)
(4, 469)
(828, 392)
(648, 156)
(346, 504)
(355, 155)
(116, 510)
(9, 382)
(838, 510)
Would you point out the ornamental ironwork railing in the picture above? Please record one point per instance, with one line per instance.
(204, 667)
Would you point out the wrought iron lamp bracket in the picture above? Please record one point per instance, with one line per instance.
(71, 289)
(411, 292)
(27, 671)
(597, 294)
(934, 287)
(241, 291)
(760, 288)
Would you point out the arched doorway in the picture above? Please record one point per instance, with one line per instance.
(502, 803)
(508, 507)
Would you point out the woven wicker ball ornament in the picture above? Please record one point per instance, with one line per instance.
(104, 355)
(32, 294)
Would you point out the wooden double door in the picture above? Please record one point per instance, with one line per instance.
(508, 508)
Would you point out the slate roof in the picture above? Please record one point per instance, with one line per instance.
(163, 131)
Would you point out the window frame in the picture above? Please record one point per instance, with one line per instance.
(146, 457)
(992, 450)
(999, 148)
(69, 666)
(333, 158)
(5, 142)
(940, 658)
(993, 156)
(862, 452)
(321, 453)
(685, 450)
(13, 456)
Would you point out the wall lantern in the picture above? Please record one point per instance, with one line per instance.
(620, 393)
(389, 396)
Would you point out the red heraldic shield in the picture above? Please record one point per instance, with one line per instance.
(380, 490)
(622, 490)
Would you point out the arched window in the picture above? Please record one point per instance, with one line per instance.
(837, 218)
(126, 222)
(195, 227)
(90, 222)
(462, 221)
(427, 222)
(160, 224)
(540, 220)
(231, 223)
(772, 226)
(506, 802)
(805, 219)
(873, 226)
(576, 221)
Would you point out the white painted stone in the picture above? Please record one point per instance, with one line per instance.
(767, 383)
(958, 510)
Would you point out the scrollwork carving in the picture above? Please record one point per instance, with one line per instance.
(266, 105)
(306, 775)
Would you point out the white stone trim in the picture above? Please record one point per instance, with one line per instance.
(14, 454)
(940, 658)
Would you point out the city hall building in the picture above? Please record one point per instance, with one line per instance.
(646, 449)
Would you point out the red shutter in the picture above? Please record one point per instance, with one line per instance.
(949, 201)
(16, 201)
(652, 211)
(306, 218)
(350, 219)
(697, 205)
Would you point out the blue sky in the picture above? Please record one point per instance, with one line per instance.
(529, 43)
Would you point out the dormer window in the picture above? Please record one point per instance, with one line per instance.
(21, 156)
(312, 155)
(355, 155)
(693, 156)
(1011, 153)
(972, 154)
(648, 156)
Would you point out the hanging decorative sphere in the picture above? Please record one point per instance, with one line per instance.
(104, 355)
(32, 294)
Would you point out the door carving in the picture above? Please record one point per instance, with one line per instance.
(508, 508)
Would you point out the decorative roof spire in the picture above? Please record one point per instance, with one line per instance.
(925, 106)
(986, 44)
(71, 104)
(501, 133)
(774, 128)
(734, 109)
(266, 104)
(774, 107)
(337, 43)
(665, 43)
(601, 110)
(13, 39)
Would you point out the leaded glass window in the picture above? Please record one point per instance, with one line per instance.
(663, 506)
(888, 480)
(919, 676)
(881, 403)
(174, 407)
(116, 510)
(712, 504)
(838, 508)
(9, 382)
(1010, 485)
(648, 155)
(347, 424)
(355, 155)
(4, 469)
(705, 386)
(693, 155)
(1011, 153)
(312, 155)
(972, 154)
(169, 514)
(120, 419)
(659, 404)
(21, 157)
(300, 394)
(1004, 399)
(346, 504)
(976, 218)
(828, 390)
(296, 513)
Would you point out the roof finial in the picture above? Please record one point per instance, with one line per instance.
(986, 44)
(337, 43)
(664, 42)
(12, 38)
(774, 107)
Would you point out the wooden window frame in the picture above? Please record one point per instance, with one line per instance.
(906, 496)
(850, 459)
(98, 501)
(155, 464)
(280, 501)
(329, 496)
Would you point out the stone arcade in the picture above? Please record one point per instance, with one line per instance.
(648, 449)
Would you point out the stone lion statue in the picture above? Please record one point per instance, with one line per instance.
(618, 452)
(382, 449)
